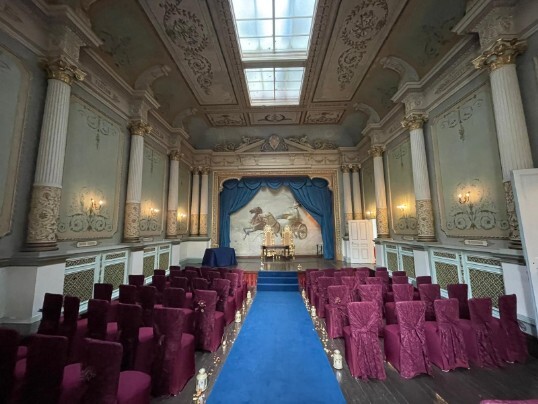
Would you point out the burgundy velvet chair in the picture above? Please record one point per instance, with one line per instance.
(159, 282)
(241, 284)
(514, 347)
(352, 283)
(429, 294)
(381, 269)
(136, 280)
(338, 277)
(51, 312)
(175, 268)
(102, 381)
(190, 274)
(378, 281)
(405, 343)
(183, 283)
(38, 377)
(401, 293)
(444, 338)
(128, 294)
(205, 272)
(68, 327)
(336, 310)
(103, 291)
(223, 272)
(329, 272)
(398, 273)
(323, 283)
(373, 293)
(423, 280)
(175, 298)
(363, 352)
(314, 287)
(147, 301)
(460, 291)
(234, 280)
(482, 334)
(361, 276)
(396, 280)
(159, 272)
(225, 302)
(97, 319)
(173, 365)
(9, 341)
(365, 271)
(384, 275)
(208, 323)
(212, 276)
(200, 283)
(308, 283)
(175, 272)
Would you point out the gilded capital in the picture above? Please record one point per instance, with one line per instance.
(355, 168)
(414, 121)
(346, 168)
(175, 155)
(502, 52)
(139, 128)
(376, 151)
(62, 70)
(205, 170)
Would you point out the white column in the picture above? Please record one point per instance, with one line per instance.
(204, 201)
(47, 187)
(173, 195)
(357, 204)
(421, 183)
(382, 219)
(512, 134)
(195, 202)
(131, 227)
(346, 188)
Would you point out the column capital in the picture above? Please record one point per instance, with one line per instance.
(196, 170)
(414, 121)
(502, 52)
(175, 155)
(346, 168)
(376, 150)
(205, 170)
(355, 168)
(61, 69)
(139, 128)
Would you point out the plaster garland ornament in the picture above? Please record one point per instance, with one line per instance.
(502, 52)
(139, 128)
(414, 121)
(61, 69)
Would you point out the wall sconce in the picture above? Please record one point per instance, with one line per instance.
(95, 207)
(370, 214)
(463, 199)
(402, 209)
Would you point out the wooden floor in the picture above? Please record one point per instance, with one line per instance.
(514, 381)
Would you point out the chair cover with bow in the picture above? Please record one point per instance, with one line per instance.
(323, 283)
(241, 285)
(400, 279)
(147, 301)
(159, 272)
(173, 364)
(428, 294)
(68, 327)
(97, 319)
(308, 284)
(175, 272)
(103, 291)
(225, 302)
(378, 281)
(400, 293)
(51, 312)
(128, 294)
(405, 343)
(329, 272)
(352, 283)
(209, 323)
(338, 277)
(191, 274)
(136, 280)
(200, 284)
(384, 275)
(482, 334)
(361, 276)
(423, 280)
(398, 273)
(314, 287)
(129, 323)
(9, 341)
(373, 293)
(233, 278)
(205, 272)
(183, 283)
(159, 282)
(446, 345)
(460, 291)
(212, 276)
(515, 343)
(175, 298)
(363, 352)
(336, 310)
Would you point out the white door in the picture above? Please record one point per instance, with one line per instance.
(361, 242)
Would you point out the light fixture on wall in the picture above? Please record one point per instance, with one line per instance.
(402, 209)
(181, 221)
(405, 222)
(369, 214)
(95, 207)
(150, 219)
(464, 198)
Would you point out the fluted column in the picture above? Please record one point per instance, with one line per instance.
(512, 135)
(357, 204)
(195, 202)
(131, 227)
(426, 230)
(382, 219)
(346, 187)
(204, 201)
(173, 194)
(47, 188)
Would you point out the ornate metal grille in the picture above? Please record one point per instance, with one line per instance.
(408, 263)
(149, 265)
(114, 274)
(79, 284)
(392, 261)
(485, 261)
(446, 274)
(486, 284)
(164, 260)
(80, 261)
(444, 255)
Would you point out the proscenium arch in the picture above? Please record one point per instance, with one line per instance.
(330, 175)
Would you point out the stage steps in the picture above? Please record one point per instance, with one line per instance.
(278, 281)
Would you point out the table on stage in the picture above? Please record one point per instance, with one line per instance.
(219, 257)
(276, 251)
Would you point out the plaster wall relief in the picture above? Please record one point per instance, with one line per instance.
(13, 98)
(323, 117)
(92, 174)
(368, 189)
(153, 192)
(470, 186)
(184, 198)
(275, 118)
(364, 25)
(228, 119)
(186, 29)
(401, 190)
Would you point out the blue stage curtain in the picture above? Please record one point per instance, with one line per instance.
(314, 195)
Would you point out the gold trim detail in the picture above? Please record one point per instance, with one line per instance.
(414, 121)
(513, 234)
(426, 229)
(140, 128)
(346, 168)
(131, 227)
(358, 216)
(376, 151)
(502, 52)
(382, 221)
(44, 214)
(175, 155)
(203, 224)
(195, 230)
(62, 70)
(171, 223)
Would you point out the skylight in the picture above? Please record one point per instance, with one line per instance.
(274, 36)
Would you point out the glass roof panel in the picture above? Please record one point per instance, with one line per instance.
(254, 28)
(294, 8)
(264, 90)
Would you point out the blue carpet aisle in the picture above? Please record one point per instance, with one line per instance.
(277, 357)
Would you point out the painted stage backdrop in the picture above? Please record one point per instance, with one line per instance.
(277, 208)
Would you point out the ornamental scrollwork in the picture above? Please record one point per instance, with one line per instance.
(88, 212)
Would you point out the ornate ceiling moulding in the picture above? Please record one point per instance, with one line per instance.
(276, 143)
(230, 119)
(406, 72)
(275, 118)
(364, 27)
(187, 31)
(323, 117)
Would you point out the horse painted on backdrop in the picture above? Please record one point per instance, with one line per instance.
(260, 220)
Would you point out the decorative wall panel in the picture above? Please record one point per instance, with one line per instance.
(153, 189)
(401, 190)
(368, 189)
(92, 174)
(275, 118)
(184, 198)
(13, 98)
(468, 164)
(276, 208)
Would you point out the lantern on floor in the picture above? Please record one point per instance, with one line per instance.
(303, 294)
(201, 380)
(299, 267)
(337, 359)
(237, 316)
(249, 296)
(313, 311)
